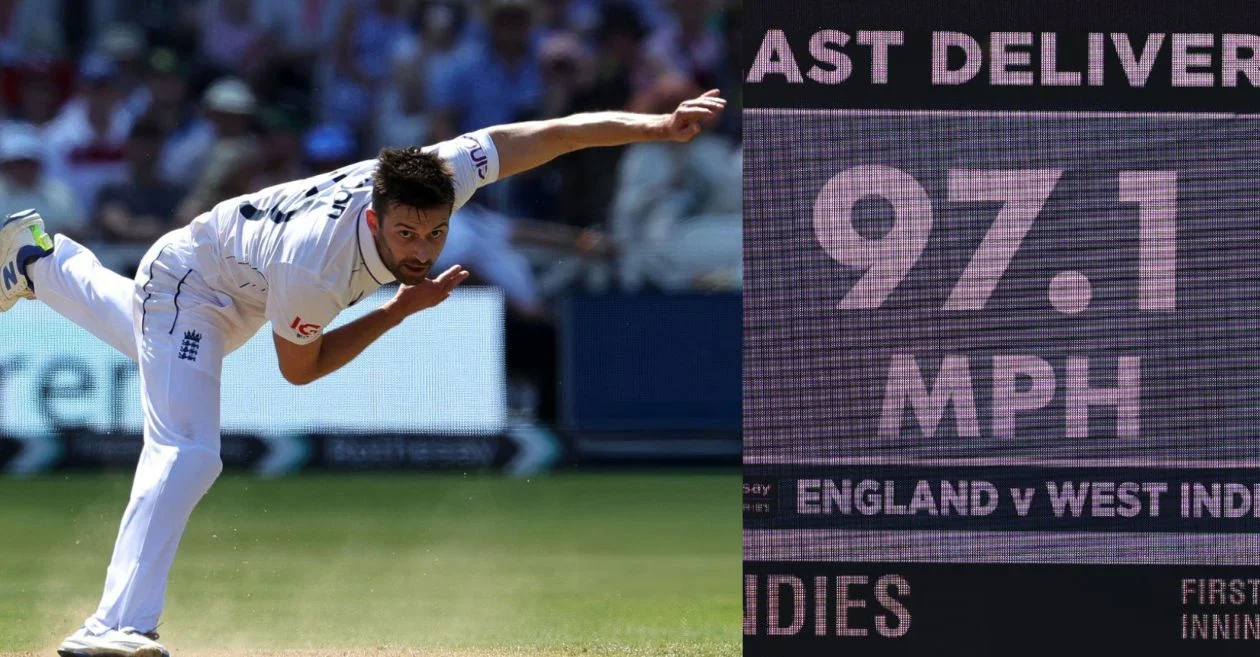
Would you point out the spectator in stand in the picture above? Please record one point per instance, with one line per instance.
(368, 34)
(689, 42)
(143, 208)
(234, 36)
(578, 17)
(299, 38)
(401, 119)
(495, 82)
(418, 64)
(584, 189)
(126, 46)
(241, 162)
(482, 240)
(677, 216)
(282, 156)
(230, 169)
(165, 101)
(228, 113)
(568, 70)
(25, 183)
(620, 64)
(444, 40)
(86, 139)
(174, 21)
(628, 70)
(164, 96)
(445, 37)
(302, 29)
(330, 146)
(30, 30)
(39, 95)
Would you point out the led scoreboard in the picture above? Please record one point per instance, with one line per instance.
(1002, 328)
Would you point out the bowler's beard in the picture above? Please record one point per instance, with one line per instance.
(395, 267)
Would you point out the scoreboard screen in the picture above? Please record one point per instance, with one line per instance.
(1002, 328)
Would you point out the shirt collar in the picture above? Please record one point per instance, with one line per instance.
(371, 257)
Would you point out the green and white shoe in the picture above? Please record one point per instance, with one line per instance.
(22, 240)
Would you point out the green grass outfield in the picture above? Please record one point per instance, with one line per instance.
(590, 564)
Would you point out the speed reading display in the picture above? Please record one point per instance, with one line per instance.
(886, 260)
(1001, 333)
(1049, 289)
(1020, 196)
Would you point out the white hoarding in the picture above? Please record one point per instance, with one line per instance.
(441, 371)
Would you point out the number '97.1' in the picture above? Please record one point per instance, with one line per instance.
(886, 260)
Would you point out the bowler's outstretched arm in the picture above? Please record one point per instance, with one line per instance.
(520, 147)
(523, 146)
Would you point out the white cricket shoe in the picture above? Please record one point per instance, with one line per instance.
(22, 239)
(126, 642)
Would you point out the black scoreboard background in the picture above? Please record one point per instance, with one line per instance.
(1002, 328)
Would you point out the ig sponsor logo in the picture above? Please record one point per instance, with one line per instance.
(304, 330)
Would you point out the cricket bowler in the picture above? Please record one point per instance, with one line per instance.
(294, 255)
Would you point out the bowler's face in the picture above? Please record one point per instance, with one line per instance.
(409, 240)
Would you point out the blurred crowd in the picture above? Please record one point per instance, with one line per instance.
(123, 119)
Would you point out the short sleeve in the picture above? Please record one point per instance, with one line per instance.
(474, 161)
(299, 307)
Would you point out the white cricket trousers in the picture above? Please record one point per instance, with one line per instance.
(173, 325)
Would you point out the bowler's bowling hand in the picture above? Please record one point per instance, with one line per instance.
(412, 299)
(687, 121)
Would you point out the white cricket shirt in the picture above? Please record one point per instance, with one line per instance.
(298, 253)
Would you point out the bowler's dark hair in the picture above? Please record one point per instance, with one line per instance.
(411, 177)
